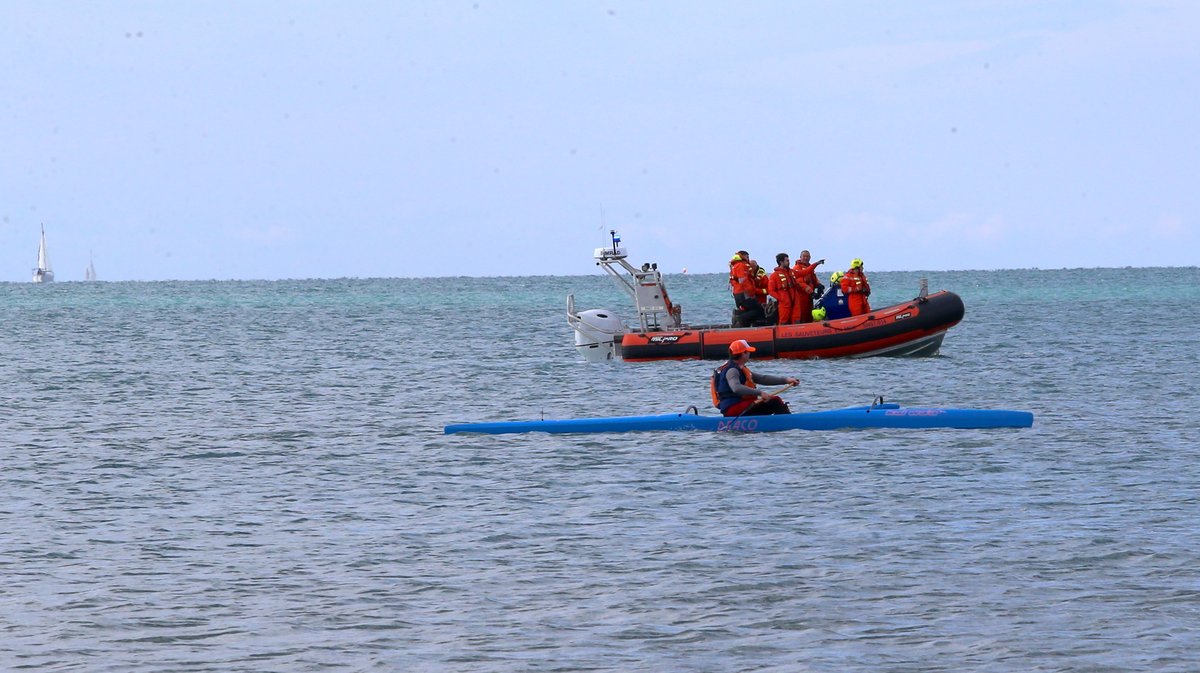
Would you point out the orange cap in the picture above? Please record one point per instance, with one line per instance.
(741, 346)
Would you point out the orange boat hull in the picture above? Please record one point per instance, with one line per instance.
(913, 328)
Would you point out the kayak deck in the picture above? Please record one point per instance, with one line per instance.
(885, 415)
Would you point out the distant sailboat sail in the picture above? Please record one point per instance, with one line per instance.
(90, 272)
(43, 273)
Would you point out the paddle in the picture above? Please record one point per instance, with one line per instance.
(772, 393)
(781, 389)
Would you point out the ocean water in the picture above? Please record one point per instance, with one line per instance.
(252, 476)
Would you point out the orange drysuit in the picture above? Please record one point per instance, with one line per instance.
(806, 283)
(856, 289)
(760, 286)
(740, 280)
(782, 285)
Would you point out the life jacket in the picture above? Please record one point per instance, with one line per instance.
(723, 396)
(857, 289)
(784, 278)
(781, 284)
(854, 281)
(806, 277)
(738, 271)
(760, 285)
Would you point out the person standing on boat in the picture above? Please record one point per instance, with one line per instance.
(857, 289)
(741, 283)
(739, 269)
(806, 285)
(759, 276)
(734, 389)
(833, 301)
(782, 286)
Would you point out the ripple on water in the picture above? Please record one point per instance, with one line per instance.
(260, 482)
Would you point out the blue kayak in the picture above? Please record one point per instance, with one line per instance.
(884, 415)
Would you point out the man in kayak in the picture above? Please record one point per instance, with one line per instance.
(734, 389)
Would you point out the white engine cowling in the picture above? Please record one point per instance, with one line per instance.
(596, 330)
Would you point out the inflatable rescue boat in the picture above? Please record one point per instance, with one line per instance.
(914, 328)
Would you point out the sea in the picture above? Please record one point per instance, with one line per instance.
(253, 476)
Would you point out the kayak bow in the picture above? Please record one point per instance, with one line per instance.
(885, 415)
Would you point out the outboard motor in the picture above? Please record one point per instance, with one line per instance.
(597, 332)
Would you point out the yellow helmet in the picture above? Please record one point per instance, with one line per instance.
(835, 277)
(856, 263)
(818, 314)
(736, 258)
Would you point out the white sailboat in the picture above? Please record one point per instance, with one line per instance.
(90, 272)
(43, 273)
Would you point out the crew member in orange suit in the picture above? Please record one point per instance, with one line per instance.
(782, 285)
(760, 282)
(735, 273)
(856, 288)
(742, 285)
(806, 285)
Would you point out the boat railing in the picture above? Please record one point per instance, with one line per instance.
(645, 286)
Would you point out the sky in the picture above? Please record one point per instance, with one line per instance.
(192, 140)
